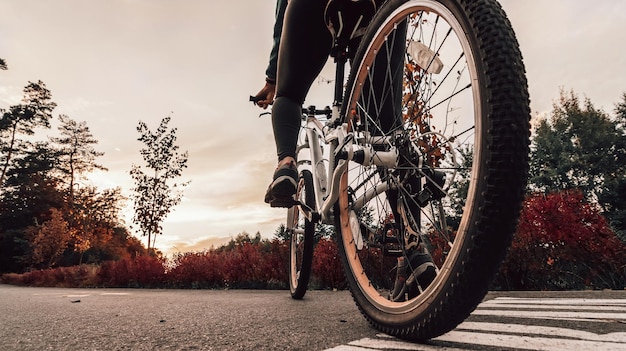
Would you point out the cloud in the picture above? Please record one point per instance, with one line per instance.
(568, 44)
(10, 96)
(77, 104)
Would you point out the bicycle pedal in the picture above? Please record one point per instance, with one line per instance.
(283, 203)
(308, 212)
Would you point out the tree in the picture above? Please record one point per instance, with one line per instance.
(156, 194)
(35, 164)
(50, 239)
(76, 157)
(620, 111)
(322, 231)
(34, 111)
(615, 198)
(30, 192)
(30, 189)
(581, 147)
(112, 244)
(76, 153)
(242, 239)
(94, 216)
(281, 233)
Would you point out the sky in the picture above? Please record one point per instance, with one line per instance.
(113, 63)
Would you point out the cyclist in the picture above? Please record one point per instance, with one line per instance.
(298, 55)
(302, 44)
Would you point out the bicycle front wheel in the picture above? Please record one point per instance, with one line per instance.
(441, 85)
(301, 231)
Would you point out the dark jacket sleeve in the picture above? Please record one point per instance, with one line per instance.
(270, 72)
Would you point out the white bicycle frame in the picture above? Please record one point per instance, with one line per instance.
(326, 179)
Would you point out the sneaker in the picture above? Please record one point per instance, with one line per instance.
(410, 283)
(283, 188)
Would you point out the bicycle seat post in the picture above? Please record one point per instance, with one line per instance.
(341, 57)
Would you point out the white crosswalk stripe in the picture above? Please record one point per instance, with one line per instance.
(525, 333)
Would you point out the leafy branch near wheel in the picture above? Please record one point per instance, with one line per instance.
(155, 192)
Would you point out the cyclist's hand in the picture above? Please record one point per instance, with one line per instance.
(266, 95)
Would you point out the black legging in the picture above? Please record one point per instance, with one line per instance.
(304, 48)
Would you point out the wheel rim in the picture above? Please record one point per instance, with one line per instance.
(436, 150)
(297, 232)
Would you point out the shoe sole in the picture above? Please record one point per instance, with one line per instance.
(283, 203)
(281, 192)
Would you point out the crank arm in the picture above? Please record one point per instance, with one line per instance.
(308, 212)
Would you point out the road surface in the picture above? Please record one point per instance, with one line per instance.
(136, 319)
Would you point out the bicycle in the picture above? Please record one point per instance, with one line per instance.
(426, 163)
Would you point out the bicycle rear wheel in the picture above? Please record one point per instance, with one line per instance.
(301, 231)
(441, 84)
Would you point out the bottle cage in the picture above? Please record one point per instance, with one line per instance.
(347, 20)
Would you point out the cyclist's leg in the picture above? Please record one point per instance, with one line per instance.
(304, 49)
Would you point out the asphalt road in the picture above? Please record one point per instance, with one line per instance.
(135, 319)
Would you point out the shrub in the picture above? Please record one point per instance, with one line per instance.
(141, 271)
(67, 277)
(563, 242)
(327, 270)
(241, 265)
(195, 270)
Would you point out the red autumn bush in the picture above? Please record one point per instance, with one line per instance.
(195, 270)
(141, 271)
(563, 242)
(327, 270)
(243, 265)
(67, 277)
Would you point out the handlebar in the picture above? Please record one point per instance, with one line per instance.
(311, 110)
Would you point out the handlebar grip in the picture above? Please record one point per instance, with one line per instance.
(255, 98)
